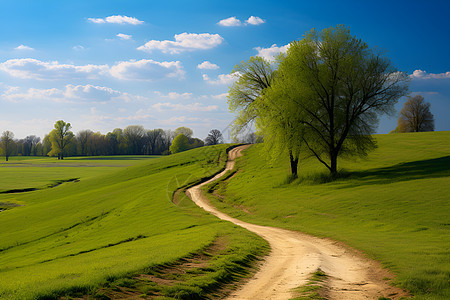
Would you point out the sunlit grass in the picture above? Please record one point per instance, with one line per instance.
(24, 172)
(394, 205)
(76, 236)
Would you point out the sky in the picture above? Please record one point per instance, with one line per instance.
(101, 65)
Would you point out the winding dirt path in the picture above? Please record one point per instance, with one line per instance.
(294, 256)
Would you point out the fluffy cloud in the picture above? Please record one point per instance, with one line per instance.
(419, 74)
(175, 121)
(255, 21)
(206, 65)
(184, 42)
(234, 22)
(28, 68)
(194, 107)
(124, 36)
(174, 95)
(147, 70)
(23, 47)
(116, 20)
(71, 93)
(227, 79)
(270, 53)
(231, 21)
(140, 115)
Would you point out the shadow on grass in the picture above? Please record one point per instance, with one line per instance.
(422, 169)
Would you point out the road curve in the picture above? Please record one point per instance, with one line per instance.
(294, 256)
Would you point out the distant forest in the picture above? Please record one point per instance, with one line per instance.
(132, 140)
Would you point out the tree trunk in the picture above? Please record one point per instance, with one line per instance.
(294, 164)
(333, 163)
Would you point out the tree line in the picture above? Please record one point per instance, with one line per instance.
(322, 99)
(132, 140)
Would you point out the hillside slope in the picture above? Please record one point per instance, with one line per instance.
(394, 205)
(81, 235)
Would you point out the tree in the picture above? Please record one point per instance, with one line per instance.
(195, 143)
(339, 87)
(7, 144)
(183, 130)
(60, 137)
(83, 138)
(134, 138)
(280, 124)
(255, 76)
(29, 145)
(214, 137)
(179, 144)
(415, 116)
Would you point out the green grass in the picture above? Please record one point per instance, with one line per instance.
(394, 205)
(37, 172)
(79, 236)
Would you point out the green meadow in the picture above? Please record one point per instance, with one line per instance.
(117, 220)
(393, 205)
(26, 172)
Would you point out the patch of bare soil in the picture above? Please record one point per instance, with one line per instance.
(295, 256)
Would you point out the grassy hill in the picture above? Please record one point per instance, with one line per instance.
(394, 205)
(112, 224)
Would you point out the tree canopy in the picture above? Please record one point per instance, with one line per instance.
(325, 99)
(254, 77)
(415, 116)
(179, 144)
(214, 137)
(60, 137)
(7, 144)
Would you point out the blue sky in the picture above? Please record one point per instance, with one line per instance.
(102, 65)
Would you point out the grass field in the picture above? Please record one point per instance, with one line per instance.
(22, 172)
(394, 205)
(116, 221)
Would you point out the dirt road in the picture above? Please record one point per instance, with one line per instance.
(294, 256)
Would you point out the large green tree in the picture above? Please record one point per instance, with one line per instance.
(338, 86)
(245, 95)
(60, 137)
(7, 144)
(179, 144)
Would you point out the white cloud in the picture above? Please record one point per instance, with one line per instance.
(174, 95)
(184, 42)
(270, 53)
(78, 48)
(23, 47)
(28, 68)
(231, 21)
(234, 22)
(116, 20)
(147, 70)
(194, 107)
(71, 93)
(206, 65)
(220, 96)
(124, 36)
(419, 74)
(173, 121)
(255, 21)
(138, 116)
(222, 79)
